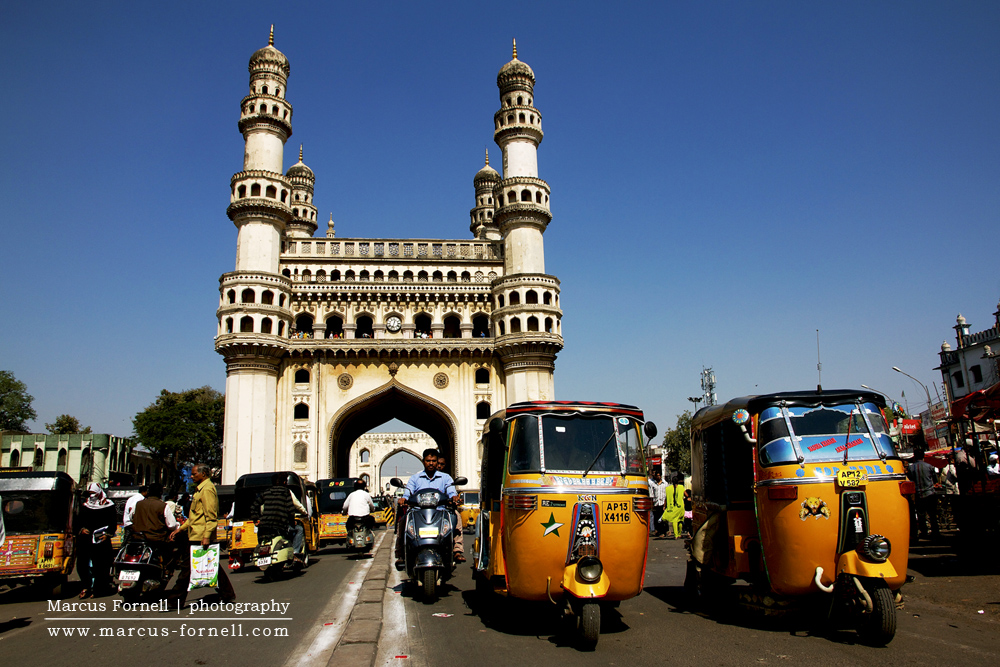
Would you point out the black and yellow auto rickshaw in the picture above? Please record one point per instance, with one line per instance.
(564, 508)
(227, 496)
(802, 495)
(37, 517)
(249, 490)
(332, 520)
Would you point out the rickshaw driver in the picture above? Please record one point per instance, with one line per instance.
(428, 478)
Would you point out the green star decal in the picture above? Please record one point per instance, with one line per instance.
(551, 526)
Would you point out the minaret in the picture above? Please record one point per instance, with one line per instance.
(254, 299)
(527, 318)
(483, 226)
(260, 193)
(303, 222)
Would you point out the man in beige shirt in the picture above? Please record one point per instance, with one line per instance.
(200, 529)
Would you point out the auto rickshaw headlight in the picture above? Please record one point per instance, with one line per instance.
(875, 548)
(589, 569)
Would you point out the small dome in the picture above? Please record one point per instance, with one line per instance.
(269, 54)
(946, 346)
(487, 173)
(960, 319)
(300, 169)
(515, 68)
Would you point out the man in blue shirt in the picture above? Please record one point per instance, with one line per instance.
(429, 478)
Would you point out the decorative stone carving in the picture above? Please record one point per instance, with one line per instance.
(345, 381)
(441, 380)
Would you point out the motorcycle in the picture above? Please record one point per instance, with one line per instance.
(140, 569)
(273, 554)
(360, 537)
(429, 538)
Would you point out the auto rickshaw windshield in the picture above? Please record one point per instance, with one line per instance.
(576, 443)
(34, 512)
(824, 433)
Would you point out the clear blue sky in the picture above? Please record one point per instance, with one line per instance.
(726, 178)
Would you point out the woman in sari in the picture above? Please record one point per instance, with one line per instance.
(673, 509)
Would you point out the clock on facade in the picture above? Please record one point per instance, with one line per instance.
(393, 324)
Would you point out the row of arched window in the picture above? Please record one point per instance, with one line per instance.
(530, 297)
(530, 325)
(380, 276)
(250, 296)
(263, 109)
(271, 192)
(508, 101)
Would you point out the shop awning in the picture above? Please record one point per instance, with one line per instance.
(979, 405)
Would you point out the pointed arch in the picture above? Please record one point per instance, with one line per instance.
(391, 400)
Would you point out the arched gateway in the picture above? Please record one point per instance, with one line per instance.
(326, 338)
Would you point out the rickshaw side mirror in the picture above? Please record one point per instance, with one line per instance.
(397, 482)
(461, 481)
(496, 425)
(649, 428)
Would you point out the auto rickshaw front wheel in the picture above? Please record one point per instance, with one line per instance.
(878, 627)
(589, 628)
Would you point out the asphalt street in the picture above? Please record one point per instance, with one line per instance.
(272, 635)
(935, 626)
(951, 614)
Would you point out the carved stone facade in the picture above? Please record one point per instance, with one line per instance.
(371, 450)
(326, 338)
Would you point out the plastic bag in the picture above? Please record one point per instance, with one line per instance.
(204, 566)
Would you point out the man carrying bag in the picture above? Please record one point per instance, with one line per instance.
(197, 534)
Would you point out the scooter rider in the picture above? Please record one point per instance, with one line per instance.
(359, 506)
(456, 519)
(153, 522)
(277, 514)
(429, 478)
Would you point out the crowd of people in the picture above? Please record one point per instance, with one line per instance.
(672, 509)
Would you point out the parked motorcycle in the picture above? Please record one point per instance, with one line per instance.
(429, 538)
(140, 569)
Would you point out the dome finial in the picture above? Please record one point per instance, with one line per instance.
(487, 156)
(515, 48)
(330, 233)
(270, 39)
(300, 160)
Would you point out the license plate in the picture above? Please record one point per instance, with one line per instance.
(618, 511)
(263, 562)
(428, 532)
(852, 478)
(129, 575)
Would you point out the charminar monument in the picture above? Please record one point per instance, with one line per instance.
(326, 338)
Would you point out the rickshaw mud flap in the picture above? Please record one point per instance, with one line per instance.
(578, 588)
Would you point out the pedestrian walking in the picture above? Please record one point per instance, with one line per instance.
(924, 476)
(658, 494)
(673, 511)
(96, 522)
(199, 528)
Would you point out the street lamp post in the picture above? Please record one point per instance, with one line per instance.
(926, 391)
(696, 400)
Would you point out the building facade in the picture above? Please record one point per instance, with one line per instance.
(972, 364)
(86, 457)
(325, 338)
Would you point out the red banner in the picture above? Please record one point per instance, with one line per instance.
(655, 460)
(910, 426)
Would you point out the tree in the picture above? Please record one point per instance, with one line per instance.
(15, 403)
(183, 427)
(677, 442)
(66, 424)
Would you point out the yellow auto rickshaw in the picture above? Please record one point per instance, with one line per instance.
(246, 510)
(802, 495)
(469, 509)
(37, 517)
(227, 498)
(332, 520)
(564, 508)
